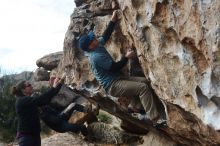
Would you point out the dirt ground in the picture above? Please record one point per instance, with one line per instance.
(64, 139)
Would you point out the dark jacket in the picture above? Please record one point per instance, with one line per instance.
(27, 111)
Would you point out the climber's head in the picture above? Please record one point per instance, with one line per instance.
(88, 42)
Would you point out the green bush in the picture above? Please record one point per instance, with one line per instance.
(104, 118)
(7, 110)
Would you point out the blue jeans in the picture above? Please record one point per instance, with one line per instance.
(29, 140)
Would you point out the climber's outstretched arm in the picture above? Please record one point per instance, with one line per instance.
(110, 28)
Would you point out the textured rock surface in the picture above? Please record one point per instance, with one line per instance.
(177, 42)
(50, 61)
(41, 74)
(64, 97)
(64, 139)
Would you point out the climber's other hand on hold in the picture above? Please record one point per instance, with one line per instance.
(114, 16)
(130, 54)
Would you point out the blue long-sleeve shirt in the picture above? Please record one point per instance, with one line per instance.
(101, 61)
(104, 68)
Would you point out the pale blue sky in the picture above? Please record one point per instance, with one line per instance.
(30, 29)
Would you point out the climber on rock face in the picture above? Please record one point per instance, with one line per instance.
(107, 71)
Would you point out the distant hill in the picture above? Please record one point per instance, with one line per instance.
(26, 75)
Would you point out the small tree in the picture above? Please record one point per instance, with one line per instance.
(7, 110)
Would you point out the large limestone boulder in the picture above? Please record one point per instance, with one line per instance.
(41, 74)
(50, 61)
(177, 45)
(64, 97)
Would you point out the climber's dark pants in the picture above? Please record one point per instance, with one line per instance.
(68, 112)
(29, 140)
(68, 127)
(135, 87)
(65, 126)
(59, 122)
